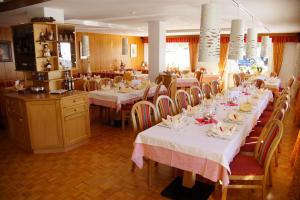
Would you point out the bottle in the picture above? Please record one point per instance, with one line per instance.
(69, 84)
(72, 83)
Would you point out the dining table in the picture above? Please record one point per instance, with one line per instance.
(192, 147)
(271, 83)
(114, 97)
(186, 82)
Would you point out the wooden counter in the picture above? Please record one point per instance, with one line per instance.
(44, 123)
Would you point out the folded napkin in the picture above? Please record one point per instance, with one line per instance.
(125, 90)
(230, 104)
(172, 121)
(190, 111)
(106, 87)
(204, 121)
(246, 93)
(235, 117)
(246, 107)
(223, 129)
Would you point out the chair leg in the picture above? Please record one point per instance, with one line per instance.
(263, 189)
(123, 119)
(276, 158)
(224, 192)
(270, 176)
(132, 167)
(149, 173)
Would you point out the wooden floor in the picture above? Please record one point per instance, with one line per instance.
(101, 170)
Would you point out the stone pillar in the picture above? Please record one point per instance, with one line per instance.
(157, 48)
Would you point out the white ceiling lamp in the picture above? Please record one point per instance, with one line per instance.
(209, 46)
(251, 47)
(85, 47)
(236, 44)
(266, 42)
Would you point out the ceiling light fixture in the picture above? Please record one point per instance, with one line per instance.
(236, 44)
(251, 47)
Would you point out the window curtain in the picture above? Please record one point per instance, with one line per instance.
(223, 57)
(278, 48)
(194, 51)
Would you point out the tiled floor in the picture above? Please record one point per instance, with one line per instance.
(101, 170)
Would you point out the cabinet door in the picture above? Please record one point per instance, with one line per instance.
(76, 127)
(44, 123)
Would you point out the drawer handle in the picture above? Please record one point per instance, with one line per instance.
(74, 100)
(75, 110)
(20, 119)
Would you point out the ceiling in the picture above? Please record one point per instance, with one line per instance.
(181, 16)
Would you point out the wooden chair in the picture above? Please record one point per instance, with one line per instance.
(91, 85)
(172, 89)
(80, 84)
(117, 79)
(165, 106)
(207, 91)
(242, 76)
(159, 79)
(182, 100)
(273, 74)
(196, 95)
(127, 77)
(236, 80)
(126, 108)
(199, 76)
(259, 83)
(247, 169)
(157, 92)
(105, 82)
(144, 116)
(215, 87)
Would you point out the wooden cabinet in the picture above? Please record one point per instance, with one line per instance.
(46, 123)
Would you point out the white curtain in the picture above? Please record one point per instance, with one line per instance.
(291, 63)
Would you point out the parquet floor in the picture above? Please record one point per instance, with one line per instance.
(101, 170)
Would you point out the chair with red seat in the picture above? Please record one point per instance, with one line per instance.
(196, 95)
(247, 169)
(182, 100)
(283, 104)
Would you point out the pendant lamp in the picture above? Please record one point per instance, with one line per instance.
(251, 47)
(85, 48)
(266, 42)
(236, 44)
(209, 46)
(124, 46)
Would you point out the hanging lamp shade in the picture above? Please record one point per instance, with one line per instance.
(251, 47)
(236, 44)
(266, 42)
(85, 48)
(209, 46)
(124, 46)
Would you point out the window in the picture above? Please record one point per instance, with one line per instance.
(178, 55)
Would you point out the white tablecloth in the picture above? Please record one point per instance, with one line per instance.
(114, 99)
(192, 139)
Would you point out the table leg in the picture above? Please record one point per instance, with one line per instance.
(189, 179)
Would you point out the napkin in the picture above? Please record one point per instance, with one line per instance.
(223, 129)
(106, 87)
(246, 93)
(125, 90)
(229, 103)
(190, 110)
(235, 117)
(172, 121)
(204, 121)
(246, 107)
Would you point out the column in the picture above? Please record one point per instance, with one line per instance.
(157, 48)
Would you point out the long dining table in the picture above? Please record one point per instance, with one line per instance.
(114, 98)
(192, 149)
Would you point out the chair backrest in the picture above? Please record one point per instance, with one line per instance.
(157, 90)
(80, 84)
(273, 74)
(215, 87)
(242, 76)
(143, 115)
(206, 90)
(158, 79)
(172, 89)
(165, 106)
(236, 80)
(117, 79)
(105, 82)
(199, 76)
(291, 81)
(259, 83)
(268, 142)
(146, 92)
(91, 85)
(182, 100)
(196, 95)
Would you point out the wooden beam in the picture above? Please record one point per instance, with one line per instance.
(14, 4)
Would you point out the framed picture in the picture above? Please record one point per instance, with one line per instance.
(133, 50)
(5, 51)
